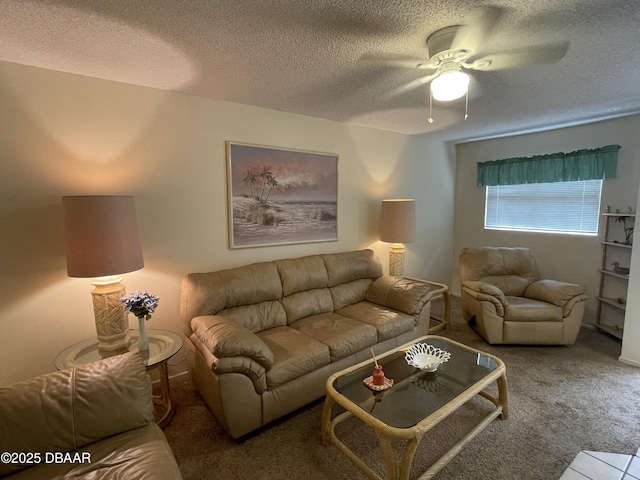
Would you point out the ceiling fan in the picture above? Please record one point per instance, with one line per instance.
(453, 50)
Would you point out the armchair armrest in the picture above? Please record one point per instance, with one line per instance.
(485, 292)
(562, 294)
(403, 294)
(224, 337)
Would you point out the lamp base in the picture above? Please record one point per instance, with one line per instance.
(112, 325)
(396, 260)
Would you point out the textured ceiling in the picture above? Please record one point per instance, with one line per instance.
(305, 56)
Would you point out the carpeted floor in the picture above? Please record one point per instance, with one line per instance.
(561, 400)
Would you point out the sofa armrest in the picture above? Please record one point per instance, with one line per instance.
(557, 293)
(403, 294)
(66, 410)
(485, 292)
(244, 365)
(224, 337)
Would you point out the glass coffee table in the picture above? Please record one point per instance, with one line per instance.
(416, 402)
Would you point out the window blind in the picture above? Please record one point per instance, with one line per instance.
(558, 207)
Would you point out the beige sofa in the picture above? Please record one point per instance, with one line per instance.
(264, 338)
(94, 421)
(505, 301)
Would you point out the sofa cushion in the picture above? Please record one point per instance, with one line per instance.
(511, 285)
(312, 302)
(224, 337)
(344, 336)
(349, 293)
(300, 274)
(388, 323)
(136, 454)
(294, 354)
(250, 284)
(257, 317)
(209, 293)
(349, 266)
(521, 309)
(66, 410)
(408, 296)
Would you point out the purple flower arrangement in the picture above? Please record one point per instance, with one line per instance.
(141, 304)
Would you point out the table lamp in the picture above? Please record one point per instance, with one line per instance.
(397, 226)
(103, 242)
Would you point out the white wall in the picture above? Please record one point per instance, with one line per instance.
(562, 257)
(630, 352)
(63, 134)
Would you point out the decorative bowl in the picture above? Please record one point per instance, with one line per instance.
(426, 357)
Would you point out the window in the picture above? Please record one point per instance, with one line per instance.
(560, 207)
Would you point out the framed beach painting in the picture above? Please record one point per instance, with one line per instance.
(280, 196)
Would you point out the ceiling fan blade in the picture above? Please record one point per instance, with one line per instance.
(472, 36)
(540, 55)
(397, 61)
(418, 82)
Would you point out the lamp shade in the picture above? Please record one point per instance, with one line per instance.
(398, 221)
(102, 237)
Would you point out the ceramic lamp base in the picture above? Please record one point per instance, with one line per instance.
(396, 260)
(112, 325)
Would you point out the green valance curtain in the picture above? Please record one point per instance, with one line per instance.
(555, 167)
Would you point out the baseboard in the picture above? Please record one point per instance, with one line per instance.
(628, 361)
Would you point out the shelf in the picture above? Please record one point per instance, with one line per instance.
(609, 279)
(616, 332)
(614, 274)
(609, 214)
(612, 302)
(614, 244)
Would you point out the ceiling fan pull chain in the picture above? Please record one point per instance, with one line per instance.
(466, 106)
(430, 119)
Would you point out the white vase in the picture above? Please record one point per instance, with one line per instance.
(143, 340)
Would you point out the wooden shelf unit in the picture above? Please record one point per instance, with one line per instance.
(615, 306)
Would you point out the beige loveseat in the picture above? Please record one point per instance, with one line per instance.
(94, 421)
(265, 337)
(505, 301)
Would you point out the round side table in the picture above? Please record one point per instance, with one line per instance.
(162, 346)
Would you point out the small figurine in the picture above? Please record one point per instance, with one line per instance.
(619, 270)
(378, 375)
(377, 381)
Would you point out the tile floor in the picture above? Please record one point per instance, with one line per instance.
(603, 466)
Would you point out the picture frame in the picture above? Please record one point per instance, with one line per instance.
(280, 196)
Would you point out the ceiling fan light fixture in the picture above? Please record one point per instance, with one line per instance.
(450, 85)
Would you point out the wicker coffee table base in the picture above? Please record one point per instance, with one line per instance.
(411, 436)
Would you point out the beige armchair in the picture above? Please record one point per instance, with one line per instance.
(505, 301)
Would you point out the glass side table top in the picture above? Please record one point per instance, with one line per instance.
(415, 394)
(162, 346)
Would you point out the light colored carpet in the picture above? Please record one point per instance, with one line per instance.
(562, 400)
